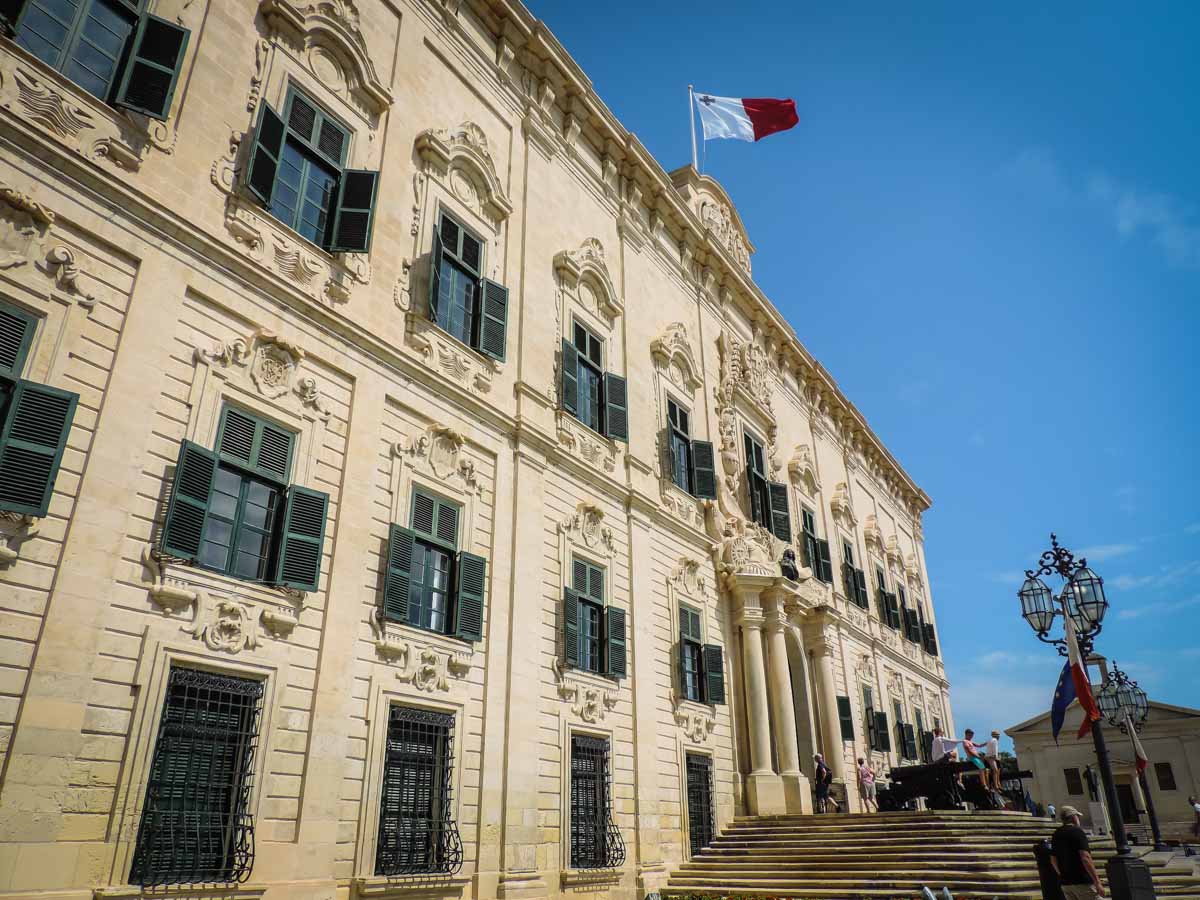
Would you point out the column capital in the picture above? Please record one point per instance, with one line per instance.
(821, 641)
(751, 618)
(776, 620)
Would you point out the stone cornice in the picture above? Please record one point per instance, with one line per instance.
(560, 82)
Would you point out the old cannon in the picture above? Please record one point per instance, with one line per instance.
(938, 784)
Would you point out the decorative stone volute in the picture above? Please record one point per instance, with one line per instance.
(461, 156)
(672, 353)
(584, 273)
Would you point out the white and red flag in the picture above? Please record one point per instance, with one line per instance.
(745, 118)
(1083, 687)
(1140, 760)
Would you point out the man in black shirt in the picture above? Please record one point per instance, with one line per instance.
(1072, 860)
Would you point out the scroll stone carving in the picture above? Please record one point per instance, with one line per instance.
(802, 470)
(15, 529)
(583, 274)
(695, 724)
(446, 356)
(871, 533)
(719, 218)
(586, 526)
(462, 158)
(843, 510)
(586, 700)
(441, 450)
(271, 365)
(24, 225)
(672, 354)
(426, 668)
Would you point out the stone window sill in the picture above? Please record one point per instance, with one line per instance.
(410, 885)
(199, 891)
(590, 876)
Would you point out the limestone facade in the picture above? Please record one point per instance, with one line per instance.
(163, 293)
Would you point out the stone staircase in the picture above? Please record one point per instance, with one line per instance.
(978, 856)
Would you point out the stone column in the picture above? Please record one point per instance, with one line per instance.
(764, 789)
(831, 729)
(795, 784)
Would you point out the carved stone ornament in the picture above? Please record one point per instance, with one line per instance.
(894, 681)
(895, 556)
(426, 668)
(272, 364)
(863, 668)
(324, 277)
(710, 202)
(15, 530)
(912, 570)
(24, 225)
(328, 36)
(740, 547)
(596, 451)
(446, 356)
(858, 618)
(583, 275)
(672, 354)
(841, 506)
(802, 470)
(61, 265)
(587, 701)
(441, 449)
(872, 535)
(690, 579)
(695, 724)
(461, 158)
(745, 369)
(223, 624)
(586, 526)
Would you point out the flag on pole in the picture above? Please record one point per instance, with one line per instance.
(1073, 685)
(1141, 761)
(745, 118)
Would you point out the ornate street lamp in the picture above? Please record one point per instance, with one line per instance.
(1083, 601)
(1126, 706)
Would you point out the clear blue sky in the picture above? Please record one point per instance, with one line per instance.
(987, 227)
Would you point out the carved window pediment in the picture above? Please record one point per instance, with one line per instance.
(803, 471)
(843, 510)
(872, 535)
(462, 159)
(583, 274)
(673, 356)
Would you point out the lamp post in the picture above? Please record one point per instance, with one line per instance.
(1082, 600)
(1126, 706)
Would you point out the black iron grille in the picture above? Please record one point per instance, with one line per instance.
(699, 794)
(417, 831)
(196, 825)
(596, 842)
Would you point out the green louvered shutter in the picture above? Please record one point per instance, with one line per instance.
(616, 407)
(826, 562)
(16, 337)
(9, 10)
(872, 729)
(704, 468)
(470, 580)
(910, 742)
(354, 213)
(398, 574)
(298, 565)
(686, 633)
(435, 276)
(570, 378)
(714, 673)
(493, 328)
(614, 641)
(860, 586)
(845, 718)
(882, 736)
(781, 516)
(264, 155)
(258, 445)
(32, 439)
(571, 628)
(183, 528)
(153, 67)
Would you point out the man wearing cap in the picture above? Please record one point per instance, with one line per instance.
(1072, 859)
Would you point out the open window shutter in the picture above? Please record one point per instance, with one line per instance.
(881, 732)
(614, 641)
(571, 628)
(493, 329)
(704, 467)
(33, 436)
(153, 67)
(872, 729)
(470, 579)
(183, 528)
(860, 583)
(846, 718)
(930, 640)
(781, 516)
(714, 673)
(826, 564)
(570, 378)
(264, 155)
(398, 574)
(9, 10)
(435, 276)
(616, 407)
(927, 746)
(354, 214)
(16, 337)
(298, 564)
(910, 742)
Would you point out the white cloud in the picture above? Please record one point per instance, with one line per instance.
(1164, 607)
(1104, 552)
(1166, 577)
(1133, 211)
(1009, 578)
(1194, 528)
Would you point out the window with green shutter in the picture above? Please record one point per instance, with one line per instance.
(233, 511)
(16, 338)
(297, 170)
(594, 634)
(845, 718)
(113, 49)
(598, 399)
(428, 582)
(756, 480)
(462, 301)
(691, 654)
(816, 551)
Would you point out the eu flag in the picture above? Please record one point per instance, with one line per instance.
(1064, 694)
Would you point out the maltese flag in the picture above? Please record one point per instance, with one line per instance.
(745, 118)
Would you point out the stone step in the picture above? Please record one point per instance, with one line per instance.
(855, 893)
(873, 841)
(802, 887)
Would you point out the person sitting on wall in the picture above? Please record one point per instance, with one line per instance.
(974, 755)
(944, 749)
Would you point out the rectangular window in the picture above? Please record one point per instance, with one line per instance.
(700, 802)
(458, 280)
(596, 842)
(691, 650)
(756, 480)
(83, 39)
(417, 830)
(435, 524)
(1165, 776)
(196, 824)
(868, 698)
(590, 373)
(314, 151)
(588, 581)
(1074, 782)
(679, 435)
(816, 551)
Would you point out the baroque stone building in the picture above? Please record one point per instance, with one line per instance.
(405, 487)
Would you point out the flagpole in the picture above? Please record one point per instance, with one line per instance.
(692, 116)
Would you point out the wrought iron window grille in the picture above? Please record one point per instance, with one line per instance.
(700, 805)
(596, 842)
(418, 834)
(196, 825)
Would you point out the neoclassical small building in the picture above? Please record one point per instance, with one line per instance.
(404, 485)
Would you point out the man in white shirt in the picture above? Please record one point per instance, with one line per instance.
(991, 756)
(943, 747)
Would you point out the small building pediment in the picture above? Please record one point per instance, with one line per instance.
(720, 217)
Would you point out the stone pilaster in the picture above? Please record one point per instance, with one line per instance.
(795, 785)
(764, 789)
